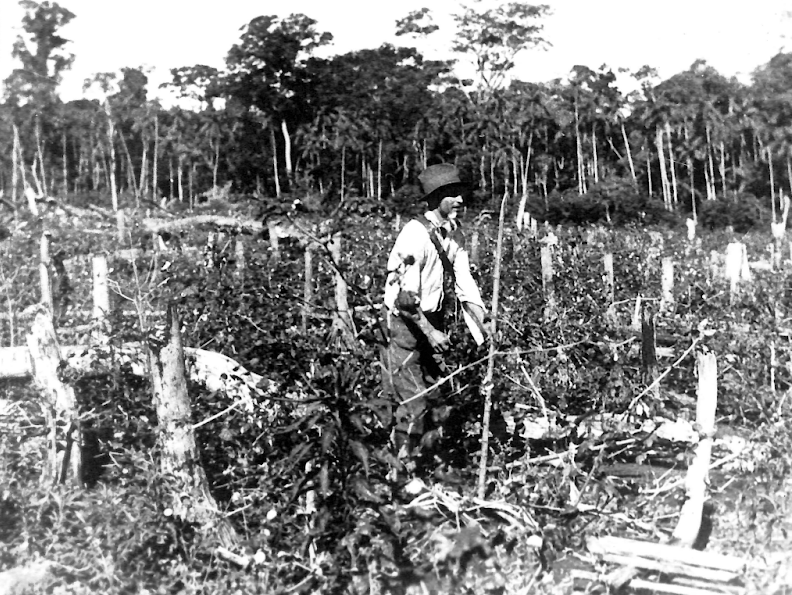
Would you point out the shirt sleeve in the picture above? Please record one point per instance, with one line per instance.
(404, 263)
(466, 288)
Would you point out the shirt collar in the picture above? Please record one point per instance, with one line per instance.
(432, 217)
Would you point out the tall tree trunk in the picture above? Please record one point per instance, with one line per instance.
(482, 172)
(772, 180)
(155, 162)
(689, 162)
(663, 172)
(15, 165)
(190, 186)
(170, 177)
(287, 148)
(43, 189)
(581, 174)
(216, 166)
(675, 194)
(65, 167)
(711, 195)
(722, 168)
(379, 170)
(524, 168)
(143, 179)
(343, 172)
(594, 152)
(492, 174)
(629, 152)
(179, 176)
(111, 147)
(707, 181)
(789, 173)
(274, 146)
(649, 175)
(131, 181)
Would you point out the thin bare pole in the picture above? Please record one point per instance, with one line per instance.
(487, 387)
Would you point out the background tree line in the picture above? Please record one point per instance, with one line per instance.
(279, 120)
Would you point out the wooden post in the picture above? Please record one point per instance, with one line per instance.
(239, 255)
(44, 273)
(648, 347)
(343, 324)
(691, 229)
(192, 501)
(272, 227)
(637, 313)
(737, 269)
(687, 528)
(609, 277)
(548, 287)
(64, 440)
(120, 226)
(667, 282)
(101, 299)
(307, 286)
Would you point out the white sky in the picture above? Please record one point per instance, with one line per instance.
(669, 35)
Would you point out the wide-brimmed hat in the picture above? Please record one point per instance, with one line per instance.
(439, 179)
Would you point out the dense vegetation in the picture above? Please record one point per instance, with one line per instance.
(303, 476)
(278, 120)
(317, 432)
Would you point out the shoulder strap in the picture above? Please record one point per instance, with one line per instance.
(447, 266)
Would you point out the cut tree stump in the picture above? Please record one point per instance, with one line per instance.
(191, 500)
(677, 559)
(64, 439)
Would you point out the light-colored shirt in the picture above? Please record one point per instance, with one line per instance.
(424, 276)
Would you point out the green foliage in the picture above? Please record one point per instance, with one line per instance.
(615, 201)
(743, 213)
(304, 473)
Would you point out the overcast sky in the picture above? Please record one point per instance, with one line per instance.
(106, 35)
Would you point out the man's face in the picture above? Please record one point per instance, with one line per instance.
(450, 207)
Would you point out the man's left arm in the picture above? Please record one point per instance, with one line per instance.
(469, 296)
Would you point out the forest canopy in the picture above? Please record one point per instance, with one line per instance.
(279, 122)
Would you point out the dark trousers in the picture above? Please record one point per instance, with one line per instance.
(409, 367)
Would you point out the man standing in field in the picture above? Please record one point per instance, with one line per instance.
(427, 265)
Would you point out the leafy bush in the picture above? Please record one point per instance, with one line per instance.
(614, 200)
(743, 213)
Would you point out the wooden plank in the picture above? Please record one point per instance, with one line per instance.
(673, 567)
(660, 551)
(670, 588)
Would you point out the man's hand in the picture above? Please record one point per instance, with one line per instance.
(438, 340)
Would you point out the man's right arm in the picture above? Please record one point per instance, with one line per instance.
(409, 307)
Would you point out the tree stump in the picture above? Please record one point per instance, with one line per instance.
(192, 500)
(64, 438)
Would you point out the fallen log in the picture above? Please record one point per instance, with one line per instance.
(662, 552)
(670, 588)
(213, 370)
(159, 225)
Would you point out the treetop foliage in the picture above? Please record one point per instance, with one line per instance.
(279, 122)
